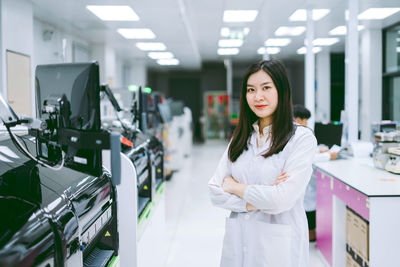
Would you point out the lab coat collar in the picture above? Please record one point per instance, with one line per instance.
(253, 139)
(265, 130)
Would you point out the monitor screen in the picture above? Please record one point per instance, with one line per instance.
(165, 112)
(328, 134)
(177, 108)
(79, 84)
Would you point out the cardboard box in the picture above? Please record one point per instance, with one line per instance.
(350, 262)
(354, 260)
(357, 236)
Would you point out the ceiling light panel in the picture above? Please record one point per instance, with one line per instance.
(228, 51)
(230, 43)
(137, 33)
(342, 30)
(277, 42)
(225, 32)
(377, 13)
(325, 41)
(240, 15)
(114, 13)
(303, 50)
(168, 62)
(160, 55)
(268, 50)
(290, 31)
(301, 14)
(151, 46)
(235, 33)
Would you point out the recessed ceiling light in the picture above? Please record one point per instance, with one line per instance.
(168, 62)
(377, 13)
(230, 43)
(268, 50)
(114, 13)
(160, 55)
(277, 42)
(398, 40)
(289, 31)
(398, 49)
(137, 33)
(301, 14)
(151, 46)
(325, 41)
(240, 15)
(303, 50)
(225, 32)
(342, 30)
(228, 51)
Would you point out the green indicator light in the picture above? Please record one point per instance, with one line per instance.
(147, 90)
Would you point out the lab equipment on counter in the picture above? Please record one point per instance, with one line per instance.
(386, 151)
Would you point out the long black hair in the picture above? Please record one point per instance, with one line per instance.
(283, 126)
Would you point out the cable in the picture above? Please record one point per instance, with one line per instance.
(29, 155)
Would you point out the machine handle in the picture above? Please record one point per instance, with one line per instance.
(115, 145)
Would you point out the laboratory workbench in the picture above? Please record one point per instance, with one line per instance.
(373, 194)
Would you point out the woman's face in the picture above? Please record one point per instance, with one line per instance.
(262, 95)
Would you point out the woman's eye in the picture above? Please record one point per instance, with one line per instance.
(250, 89)
(266, 87)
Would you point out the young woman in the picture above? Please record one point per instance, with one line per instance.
(263, 174)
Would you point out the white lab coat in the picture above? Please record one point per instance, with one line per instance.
(310, 197)
(276, 235)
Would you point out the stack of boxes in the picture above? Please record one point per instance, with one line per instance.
(357, 240)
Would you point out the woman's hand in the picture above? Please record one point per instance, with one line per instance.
(230, 185)
(281, 178)
(250, 207)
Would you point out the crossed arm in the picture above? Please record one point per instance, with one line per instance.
(229, 194)
(231, 186)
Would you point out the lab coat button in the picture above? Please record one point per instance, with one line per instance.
(247, 216)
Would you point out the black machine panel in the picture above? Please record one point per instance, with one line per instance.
(68, 97)
(50, 214)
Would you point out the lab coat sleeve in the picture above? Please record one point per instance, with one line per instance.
(219, 197)
(298, 165)
(322, 157)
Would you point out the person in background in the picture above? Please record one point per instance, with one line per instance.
(301, 115)
(263, 174)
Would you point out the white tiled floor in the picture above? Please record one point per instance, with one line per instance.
(195, 227)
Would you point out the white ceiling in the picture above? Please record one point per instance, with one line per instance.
(191, 28)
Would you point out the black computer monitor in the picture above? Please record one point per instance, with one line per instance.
(79, 84)
(328, 134)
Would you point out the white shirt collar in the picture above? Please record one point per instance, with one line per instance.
(265, 130)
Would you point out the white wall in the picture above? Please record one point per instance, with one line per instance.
(109, 64)
(135, 72)
(371, 80)
(119, 73)
(323, 92)
(49, 47)
(16, 38)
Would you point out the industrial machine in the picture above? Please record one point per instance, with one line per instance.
(60, 203)
(144, 149)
